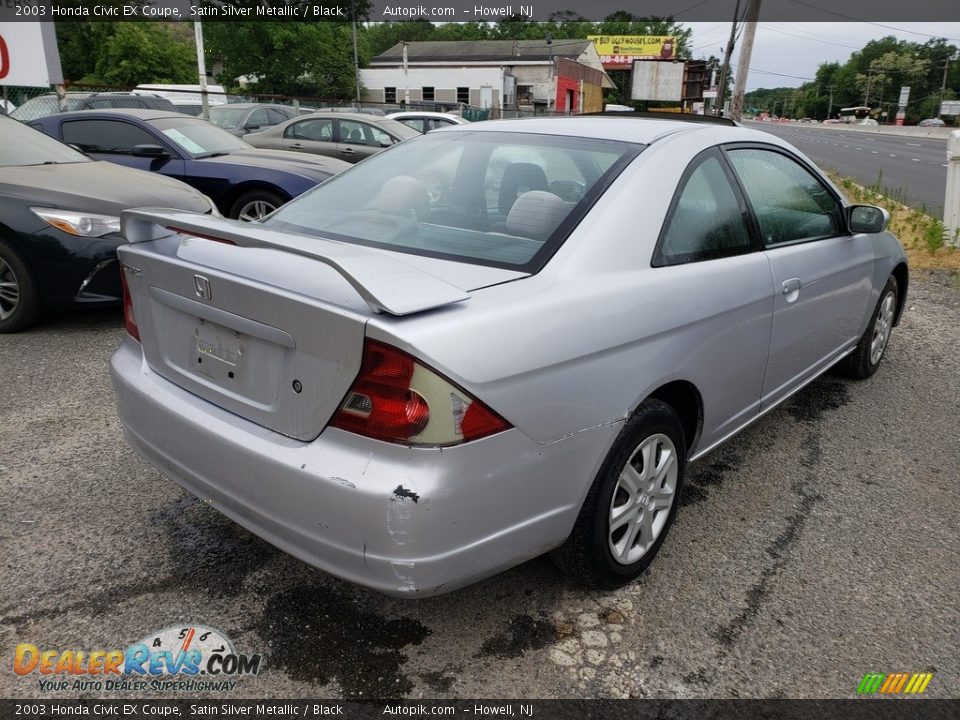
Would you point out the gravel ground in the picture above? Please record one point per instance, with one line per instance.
(818, 545)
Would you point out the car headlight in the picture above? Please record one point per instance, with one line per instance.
(82, 224)
(215, 212)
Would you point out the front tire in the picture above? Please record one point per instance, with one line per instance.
(19, 300)
(865, 359)
(255, 205)
(632, 503)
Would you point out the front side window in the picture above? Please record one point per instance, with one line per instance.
(320, 130)
(790, 203)
(706, 221)
(105, 136)
(488, 198)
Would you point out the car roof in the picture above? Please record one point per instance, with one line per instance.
(248, 106)
(420, 113)
(139, 113)
(603, 127)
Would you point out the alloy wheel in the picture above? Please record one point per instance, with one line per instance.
(642, 499)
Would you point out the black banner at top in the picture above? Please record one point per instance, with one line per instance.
(472, 10)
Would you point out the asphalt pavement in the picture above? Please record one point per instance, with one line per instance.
(817, 546)
(910, 168)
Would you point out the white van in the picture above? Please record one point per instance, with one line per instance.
(186, 98)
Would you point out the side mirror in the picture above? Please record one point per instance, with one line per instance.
(149, 151)
(867, 219)
(251, 127)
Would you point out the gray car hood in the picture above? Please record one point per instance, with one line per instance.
(100, 187)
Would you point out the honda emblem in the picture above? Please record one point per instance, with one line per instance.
(202, 286)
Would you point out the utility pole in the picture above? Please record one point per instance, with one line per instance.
(943, 87)
(743, 65)
(201, 71)
(722, 86)
(830, 104)
(356, 56)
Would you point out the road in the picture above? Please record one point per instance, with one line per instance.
(818, 545)
(912, 169)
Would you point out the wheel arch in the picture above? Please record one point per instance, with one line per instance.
(684, 398)
(902, 275)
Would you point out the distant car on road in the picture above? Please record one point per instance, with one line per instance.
(931, 122)
(244, 182)
(347, 136)
(44, 105)
(425, 121)
(60, 223)
(243, 118)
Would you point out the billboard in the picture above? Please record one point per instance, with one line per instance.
(617, 52)
(657, 81)
(28, 54)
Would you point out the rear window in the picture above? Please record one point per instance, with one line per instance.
(489, 198)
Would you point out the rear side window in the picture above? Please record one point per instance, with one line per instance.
(790, 203)
(706, 221)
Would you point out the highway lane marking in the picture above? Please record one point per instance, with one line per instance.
(874, 152)
(892, 155)
(914, 144)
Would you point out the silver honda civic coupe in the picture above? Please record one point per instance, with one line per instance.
(495, 341)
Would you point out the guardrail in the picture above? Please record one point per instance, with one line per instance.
(951, 203)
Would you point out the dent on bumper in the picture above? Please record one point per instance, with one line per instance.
(404, 521)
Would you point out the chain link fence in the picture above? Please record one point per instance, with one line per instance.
(188, 99)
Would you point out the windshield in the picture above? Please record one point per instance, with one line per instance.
(197, 137)
(489, 198)
(22, 145)
(44, 105)
(227, 117)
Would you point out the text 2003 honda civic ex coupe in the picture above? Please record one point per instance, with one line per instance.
(495, 340)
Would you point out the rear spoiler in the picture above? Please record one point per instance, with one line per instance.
(385, 283)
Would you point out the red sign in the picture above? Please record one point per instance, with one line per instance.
(4, 59)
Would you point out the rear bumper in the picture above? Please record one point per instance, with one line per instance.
(406, 522)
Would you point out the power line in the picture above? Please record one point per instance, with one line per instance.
(770, 72)
(868, 22)
(810, 38)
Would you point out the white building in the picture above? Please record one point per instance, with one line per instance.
(564, 75)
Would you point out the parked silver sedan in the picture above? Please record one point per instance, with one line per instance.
(494, 341)
(347, 136)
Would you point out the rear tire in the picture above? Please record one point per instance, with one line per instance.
(19, 300)
(255, 205)
(632, 503)
(865, 359)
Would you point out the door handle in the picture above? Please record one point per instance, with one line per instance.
(298, 146)
(348, 151)
(792, 287)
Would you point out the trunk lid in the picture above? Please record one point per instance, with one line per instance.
(271, 328)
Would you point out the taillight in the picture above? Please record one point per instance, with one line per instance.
(398, 399)
(129, 319)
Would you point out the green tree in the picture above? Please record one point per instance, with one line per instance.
(144, 52)
(285, 58)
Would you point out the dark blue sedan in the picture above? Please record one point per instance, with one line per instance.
(244, 182)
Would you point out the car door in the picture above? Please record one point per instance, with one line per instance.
(114, 141)
(312, 135)
(357, 140)
(710, 270)
(822, 274)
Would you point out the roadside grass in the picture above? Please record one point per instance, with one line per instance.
(922, 235)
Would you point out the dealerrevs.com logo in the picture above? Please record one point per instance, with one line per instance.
(189, 657)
